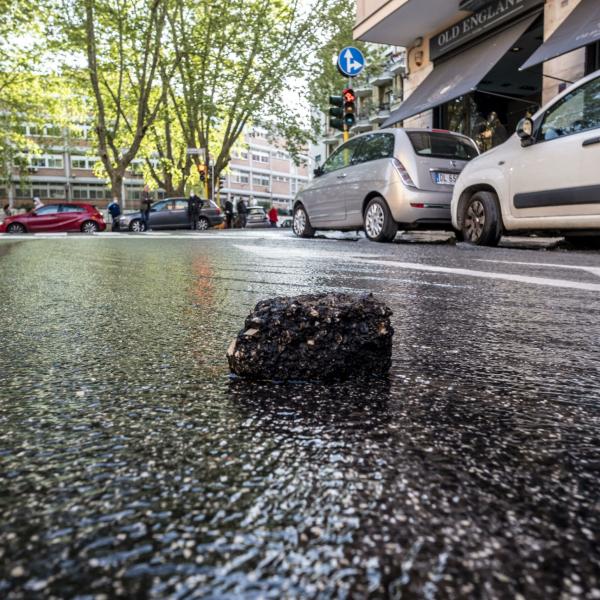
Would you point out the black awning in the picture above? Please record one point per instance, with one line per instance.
(580, 28)
(459, 75)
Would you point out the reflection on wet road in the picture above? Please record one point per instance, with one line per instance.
(130, 465)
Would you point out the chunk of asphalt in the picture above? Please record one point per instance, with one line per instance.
(314, 337)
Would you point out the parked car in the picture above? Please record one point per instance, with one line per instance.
(257, 217)
(546, 177)
(54, 218)
(383, 180)
(172, 213)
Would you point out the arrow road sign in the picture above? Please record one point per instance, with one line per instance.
(351, 61)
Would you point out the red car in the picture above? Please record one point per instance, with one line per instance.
(58, 217)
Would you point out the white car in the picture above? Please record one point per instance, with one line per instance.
(546, 177)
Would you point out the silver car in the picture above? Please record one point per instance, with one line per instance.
(384, 180)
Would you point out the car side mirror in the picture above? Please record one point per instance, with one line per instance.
(318, 172)
(525, 132)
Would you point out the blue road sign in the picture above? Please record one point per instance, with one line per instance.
(351, 61)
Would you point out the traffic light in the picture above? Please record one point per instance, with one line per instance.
(349, 107)
(202, 171)
(221, 181)
(336, 112)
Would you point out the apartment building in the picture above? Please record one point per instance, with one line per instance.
(262, 172)
(470, 59)
(65, 171)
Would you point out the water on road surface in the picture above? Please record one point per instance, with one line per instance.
(132, 466)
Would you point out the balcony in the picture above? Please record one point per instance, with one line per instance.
(398, 67)
(364, 88)
(363, 123)
(385, 78)
(380, 114)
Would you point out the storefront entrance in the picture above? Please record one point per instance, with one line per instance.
(503, 97)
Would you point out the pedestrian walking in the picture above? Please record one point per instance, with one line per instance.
(114, 209)
(194, 207)
(145, 204)
(242, 211)
(273, 216)
(7, 211)
(228, 214)
(37, 203)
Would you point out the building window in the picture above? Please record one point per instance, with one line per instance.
(90, 192)
(261, 181)
(84, 162)
(46, 162)
(260, 157)
(244, 155)
(55, 162)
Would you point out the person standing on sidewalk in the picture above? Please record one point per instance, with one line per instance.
(145, 205)
(37, 203)
(194, 205)
(242, 212)
(228, 214)
(273, 216)
(114, 209)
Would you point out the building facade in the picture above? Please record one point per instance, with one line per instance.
(263, 173)
(479, 66)
(65, 171)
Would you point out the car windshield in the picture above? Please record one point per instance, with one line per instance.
(442, 145)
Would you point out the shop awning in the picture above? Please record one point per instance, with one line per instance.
(459, 75)
(580, 28)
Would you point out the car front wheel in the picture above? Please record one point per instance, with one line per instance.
(379, 223)
(301, 224)
(136, 225)
(203, 223)
(481, 222)
(16, 228)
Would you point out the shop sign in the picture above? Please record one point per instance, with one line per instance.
(493, 14)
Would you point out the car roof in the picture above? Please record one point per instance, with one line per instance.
(403, 130)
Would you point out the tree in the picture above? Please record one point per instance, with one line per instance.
(124, 45)
(235, 60)
(28, 93)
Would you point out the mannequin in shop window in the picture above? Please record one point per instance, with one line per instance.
(495, 133)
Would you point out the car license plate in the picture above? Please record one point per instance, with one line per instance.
(446, 178)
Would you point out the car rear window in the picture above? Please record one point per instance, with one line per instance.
(442, 145)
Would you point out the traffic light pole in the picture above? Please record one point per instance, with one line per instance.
(346, 133)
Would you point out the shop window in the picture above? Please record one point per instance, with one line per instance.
(592, 58)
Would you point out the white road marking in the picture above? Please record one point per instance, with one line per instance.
(270, 252)
(592, 270)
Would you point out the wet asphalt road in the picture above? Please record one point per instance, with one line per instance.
(131, 466)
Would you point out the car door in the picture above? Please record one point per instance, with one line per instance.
(70, 217)
(327, 195)
(160, 215)
(370, 163)
(45, 219)
(559, 174)
(179, 214)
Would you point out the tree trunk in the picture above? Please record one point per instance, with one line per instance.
(116, 185)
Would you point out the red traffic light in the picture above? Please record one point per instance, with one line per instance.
(349, 95)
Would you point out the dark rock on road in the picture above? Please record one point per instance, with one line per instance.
(317, 337)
